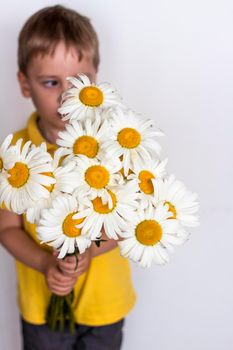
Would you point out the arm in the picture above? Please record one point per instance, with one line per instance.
(23, 248)
(18, 243)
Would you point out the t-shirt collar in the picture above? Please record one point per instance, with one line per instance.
(35, 135)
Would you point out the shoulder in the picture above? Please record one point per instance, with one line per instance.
(28, 131)
(20, 134)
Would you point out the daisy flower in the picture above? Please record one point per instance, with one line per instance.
(7, 152)
(131, 139)
(180, 202)
(58, 228)
(86, 99)
(113, 219)
(83, 138)
(145, 178)
(150, 237)
(65, 182)
(95, 178)
(23, 181)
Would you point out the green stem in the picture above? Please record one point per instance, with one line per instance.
(60, 311)
(62, 314)
(70, 313)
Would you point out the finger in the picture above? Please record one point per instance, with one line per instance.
(62, 284)
(73, 258)
(82, 267)
(60, 290)
(67, 266)
(71, 272)
(81, 270)
(59, 277)
(70, 259)
(76, 273)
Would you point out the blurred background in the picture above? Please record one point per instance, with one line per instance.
(172, 61)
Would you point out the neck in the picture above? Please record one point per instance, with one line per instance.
(49, 132)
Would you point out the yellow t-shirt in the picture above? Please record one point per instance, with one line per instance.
(103, 295)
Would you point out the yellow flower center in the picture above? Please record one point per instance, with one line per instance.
(1, 164)
(171, 209)
(50, 187)
(86, 145)
(69, 226)
(19, 175)
(148, 232)
(97, 176)
(129, 138)
(3, 206)
(146, 184)
(91, 96)
(101, 208)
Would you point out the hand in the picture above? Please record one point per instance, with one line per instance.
(57, 282)
(68, 265)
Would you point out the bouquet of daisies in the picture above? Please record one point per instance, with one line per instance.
(106, 176)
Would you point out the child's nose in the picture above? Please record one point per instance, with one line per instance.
(64, 88)
(65, 85)
(59, 98)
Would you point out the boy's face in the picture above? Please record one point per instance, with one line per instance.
(46, 81)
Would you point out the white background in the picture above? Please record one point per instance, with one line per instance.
(171, 61)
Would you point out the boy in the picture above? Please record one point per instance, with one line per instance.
(54, 43)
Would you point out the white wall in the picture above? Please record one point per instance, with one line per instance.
(172, 61)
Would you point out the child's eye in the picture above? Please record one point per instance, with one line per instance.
(50, 83)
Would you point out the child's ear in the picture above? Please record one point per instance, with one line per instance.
(23, 83)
